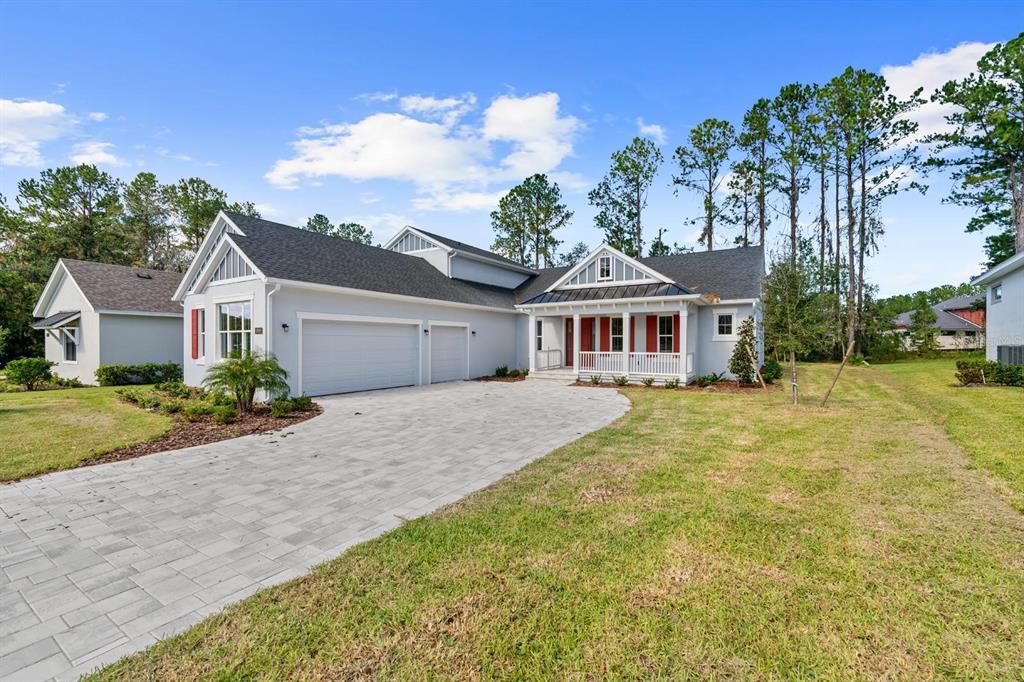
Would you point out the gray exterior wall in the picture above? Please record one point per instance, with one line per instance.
(252, 289)
(712, 355)
(478, 271)
(1004, 321)
(135, 339)
(67, 298)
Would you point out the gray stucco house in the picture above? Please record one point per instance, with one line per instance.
(1004, 321)
(342, 316)
(99, 314)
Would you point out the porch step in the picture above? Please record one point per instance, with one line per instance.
(565, 376)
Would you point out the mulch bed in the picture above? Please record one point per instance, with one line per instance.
(184, 434)
(504, 380)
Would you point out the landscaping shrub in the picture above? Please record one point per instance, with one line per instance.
(705, 380)
(771, 372)
(302, 403)
(647, 381)
(515, 373)
(129, 395)
(595, 379)
(147, 373)
(501, 371)
(224, 414)
(150, 402)
(620, 380)
(29, 372)
(219, 398)
(173, 406)
(243, 375)
(174, 388)
(672, 383)
(195, 411)
(281, 408)
(70, 382)
(741, 363)
(978, 371)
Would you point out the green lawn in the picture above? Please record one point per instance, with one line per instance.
(986, 422)
(703, 535)
(44, 431)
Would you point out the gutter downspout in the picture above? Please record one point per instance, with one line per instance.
(270, 319)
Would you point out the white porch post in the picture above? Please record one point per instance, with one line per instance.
(684, 324)
(532, 343)
(625, 342)
(576, 343)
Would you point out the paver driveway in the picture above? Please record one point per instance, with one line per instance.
(102, 561)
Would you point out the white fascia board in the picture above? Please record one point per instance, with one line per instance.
(138, 313)
(735, 301)
(182, 289)
(222, 248)
(386, 296)
(60, 271)
(1004, 268)
(637, 265)
(410, 229)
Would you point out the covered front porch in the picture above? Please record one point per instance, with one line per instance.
(636, 341)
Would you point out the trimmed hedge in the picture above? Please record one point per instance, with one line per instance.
(989, 372)
(148, 373)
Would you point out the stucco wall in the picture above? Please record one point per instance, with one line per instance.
(477, 271)
(254, 290)
(713, 355)
(135, 339)
(1005, 320)
(67, 298)
(493, 345)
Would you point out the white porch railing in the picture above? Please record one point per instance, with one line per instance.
(654, 364)
(597, 362)
(549, 359)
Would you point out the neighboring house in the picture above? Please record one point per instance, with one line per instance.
(1004, 290)
(342, 316)
(959, 323)
(99, 314)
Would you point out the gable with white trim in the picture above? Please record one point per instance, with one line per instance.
(606, 266)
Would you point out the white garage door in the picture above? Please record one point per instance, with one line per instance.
(447, 353)
(340, 357)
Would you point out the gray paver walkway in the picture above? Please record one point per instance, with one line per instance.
(99, 562)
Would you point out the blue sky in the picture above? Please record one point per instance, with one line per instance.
(424, 114)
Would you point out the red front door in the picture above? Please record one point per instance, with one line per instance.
(568, 342)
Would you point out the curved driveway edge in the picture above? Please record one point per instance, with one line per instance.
(99, 562)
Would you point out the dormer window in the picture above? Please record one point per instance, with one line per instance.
(604, 268)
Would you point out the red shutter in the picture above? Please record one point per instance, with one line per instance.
(606, 334)
(632, 334)
(675, 333)
(586, 339)
(195, 333)
(652, 333)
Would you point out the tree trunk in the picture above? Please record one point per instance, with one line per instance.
(851, 226)
(762, 200)
(792, 378)
(794, 192)
(823, 227)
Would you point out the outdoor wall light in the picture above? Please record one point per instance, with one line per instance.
(473, 332)
(284, 326)
(426, 332)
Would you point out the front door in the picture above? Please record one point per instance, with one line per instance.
(568, 342)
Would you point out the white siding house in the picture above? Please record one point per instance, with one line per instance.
(1004, 315)
(99, 314)
(341, 316)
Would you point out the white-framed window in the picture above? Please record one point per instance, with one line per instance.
(997, 292)
(616, 334)
(234, 327)
(604, 268)
(725, 325)
(540, 335)
(666, 334)
(70, 337)
(201, 320)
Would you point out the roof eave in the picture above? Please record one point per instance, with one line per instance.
(1007, 266)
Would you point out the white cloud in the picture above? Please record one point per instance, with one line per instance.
(459, 201)
(177, 156)
(384, 226)
(450, 159)
(96, 153)
(376, 96)
(651, 130)
(26, 125)
(97, 116)
(931, 71)
(268, 210)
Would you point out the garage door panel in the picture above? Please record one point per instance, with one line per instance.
(447, 353)
(340, 357)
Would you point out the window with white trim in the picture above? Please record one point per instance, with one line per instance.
(617, 334)
(70, 338)
(723, 324)
(234, 327)
(201, 319)
(666, 334)
(604, 268)
(997, 293)
(540, 335)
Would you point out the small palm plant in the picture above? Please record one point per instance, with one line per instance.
(242, 375)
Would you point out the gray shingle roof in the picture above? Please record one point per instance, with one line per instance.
(285, 252)
(56, 319)
(726, 273)
(119, 287)
(469, 248)
(609, 293)
(945, 320)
